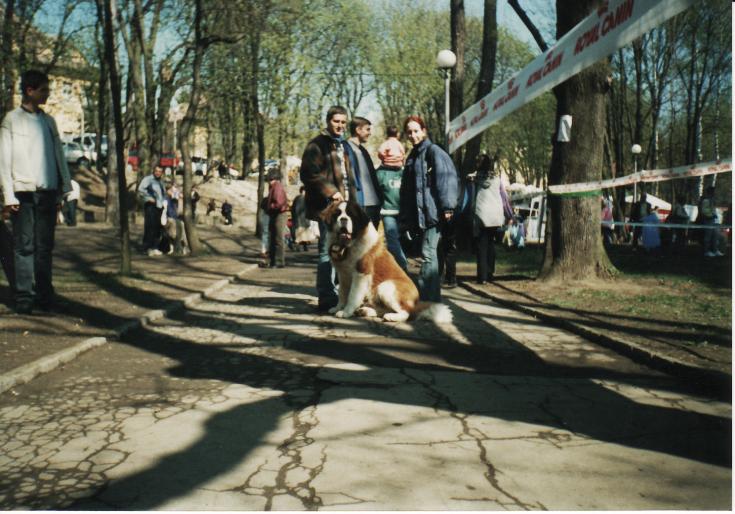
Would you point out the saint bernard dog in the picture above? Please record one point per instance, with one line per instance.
(370, 281)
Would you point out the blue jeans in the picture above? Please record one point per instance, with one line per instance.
(429, 282)
(33, 236)
(326, 285)
(393, 241)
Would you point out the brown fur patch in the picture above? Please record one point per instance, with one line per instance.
(382, 266)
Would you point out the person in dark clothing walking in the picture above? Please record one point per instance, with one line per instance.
(226, 211)
(278, 212)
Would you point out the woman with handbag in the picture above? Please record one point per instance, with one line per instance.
(491, 210)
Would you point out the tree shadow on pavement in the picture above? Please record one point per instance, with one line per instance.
(525, 389)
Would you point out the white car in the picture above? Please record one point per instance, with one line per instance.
(74, 153)
(87, 143)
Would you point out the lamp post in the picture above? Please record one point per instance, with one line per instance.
(635, 150)
(445, 61)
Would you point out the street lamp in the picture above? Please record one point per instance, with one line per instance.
(635, 150)
(445, 61)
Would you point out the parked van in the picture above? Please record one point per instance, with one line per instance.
(530, 208)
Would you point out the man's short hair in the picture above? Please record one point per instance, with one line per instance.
(357, 122)
(33, 79)
(334, 110)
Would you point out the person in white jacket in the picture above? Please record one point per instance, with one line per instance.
(33, 178)
(70, 204)
(491, 210)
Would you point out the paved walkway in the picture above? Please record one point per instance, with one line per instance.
(248, 400)
(99, 303)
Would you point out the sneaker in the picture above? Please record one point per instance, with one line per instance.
(154, 252)
(449, 285)
(719, 254)
(24, 308)
(710, 254)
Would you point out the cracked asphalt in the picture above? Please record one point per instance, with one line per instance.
(250, 400)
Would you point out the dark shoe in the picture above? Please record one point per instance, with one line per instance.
(281, 266)
(24, 308)
(449, 285)
(481, 282)
(325, 305)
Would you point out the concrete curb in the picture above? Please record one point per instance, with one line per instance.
(711, 380)
(27, 372)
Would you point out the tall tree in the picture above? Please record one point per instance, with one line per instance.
(107, 13)
(458, 32)
(574, 248)
(486, 77)
(187, 124)
(8, 64)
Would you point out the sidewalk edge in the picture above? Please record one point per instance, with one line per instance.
(710, 379)
(27, 372)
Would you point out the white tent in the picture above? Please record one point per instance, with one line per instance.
(653, 201)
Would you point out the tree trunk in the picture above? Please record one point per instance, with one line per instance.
(456, 85)
(187, 124)
(112, 197)
(110, 9)
(575, 250)
(8, 63)
(137, 92)
(487, 75)
(102, 119)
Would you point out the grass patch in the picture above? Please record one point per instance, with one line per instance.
(684, 288)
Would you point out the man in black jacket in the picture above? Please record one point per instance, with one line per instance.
(327, 177)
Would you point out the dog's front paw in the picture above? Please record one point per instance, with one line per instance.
(345, 313)
(335, 309)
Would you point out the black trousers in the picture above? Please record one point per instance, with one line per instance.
(151, 226)
(448, 251)
(486, 253)
(7, 257)
(278, 231)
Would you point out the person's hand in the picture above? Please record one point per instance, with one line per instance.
(448, 215)
(10, 209)
(337, 197)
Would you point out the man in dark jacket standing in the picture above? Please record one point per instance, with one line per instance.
(327, 177)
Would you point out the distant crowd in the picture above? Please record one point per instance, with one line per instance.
(416, 196)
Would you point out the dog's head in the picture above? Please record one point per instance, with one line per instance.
(345, 221)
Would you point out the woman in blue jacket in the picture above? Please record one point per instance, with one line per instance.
(428, 199)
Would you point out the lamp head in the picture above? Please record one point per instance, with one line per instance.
(636, 149)
(446, 59)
